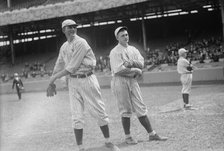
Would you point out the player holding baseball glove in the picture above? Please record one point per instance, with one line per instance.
(126, 65)
(76, 60)
(185, 69)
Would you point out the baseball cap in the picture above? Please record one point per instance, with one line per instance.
(119, 29)
(68, 22)
(182, 51)
(16, 74)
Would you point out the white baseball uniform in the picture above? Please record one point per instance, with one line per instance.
(77, 57)
(124, 86)
(186, 76)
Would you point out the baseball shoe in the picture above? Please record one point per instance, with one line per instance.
(156, 137)
(131, 141)
(112, 146)
(187, 106)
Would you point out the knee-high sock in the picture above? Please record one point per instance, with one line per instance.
(144, 120)
(78, 136)
(126, 124)
(185, 98)
(105, 131)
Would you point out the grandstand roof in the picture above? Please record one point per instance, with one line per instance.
(50, 13)
(66, 8)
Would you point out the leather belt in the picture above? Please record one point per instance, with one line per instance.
(188, 73)
(81, 75)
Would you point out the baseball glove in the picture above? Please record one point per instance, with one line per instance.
(189, 68)
(51, 90)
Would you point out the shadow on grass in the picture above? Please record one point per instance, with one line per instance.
(172, 110)
(119, 145)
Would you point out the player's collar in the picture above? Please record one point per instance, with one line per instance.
(123, 45)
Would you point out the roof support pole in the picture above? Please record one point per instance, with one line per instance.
(11, 44)
(144, 34)
(222, 14)
(9, 3)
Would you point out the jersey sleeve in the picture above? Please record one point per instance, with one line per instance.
(81, 49)
(59, 65)
(117, 66)
(138, 62)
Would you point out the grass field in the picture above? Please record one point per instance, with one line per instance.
(38, 123)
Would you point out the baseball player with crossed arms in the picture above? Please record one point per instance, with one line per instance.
(126, 66)
(185, 69)
(77, 61)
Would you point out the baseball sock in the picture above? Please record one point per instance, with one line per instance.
(185, 98)
(78, 136)
(126, 125)
(105, 131)
(144, 120)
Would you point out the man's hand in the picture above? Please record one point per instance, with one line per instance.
(51, 90)
(137, 71)
(128, 64)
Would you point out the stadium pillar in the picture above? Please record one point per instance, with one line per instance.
(144, 34)
(222, 14)
(11, 44)
(9, 3)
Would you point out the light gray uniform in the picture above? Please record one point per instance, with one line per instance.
(77, 57)
(126, 88)
(185, 75)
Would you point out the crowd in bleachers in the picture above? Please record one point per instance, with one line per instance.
(201, 50)
(102, 63)
(33, 70)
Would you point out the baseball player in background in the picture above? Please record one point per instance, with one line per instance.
(19, 85)
(185, 69)
(126, 66)
(77, 61)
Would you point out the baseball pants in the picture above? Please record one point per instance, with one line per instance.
(186, 80)
(128, 95)
(85, 93)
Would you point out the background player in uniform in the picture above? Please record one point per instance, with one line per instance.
(185, 69)
(126, 66)
(19, 85)
(77, 61)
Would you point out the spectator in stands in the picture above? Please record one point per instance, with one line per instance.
(215, 56)
(3, 76)
(33, 74)
(25, 73)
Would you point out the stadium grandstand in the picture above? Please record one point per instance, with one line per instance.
(30, 31)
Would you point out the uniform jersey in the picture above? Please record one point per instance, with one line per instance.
(76, 57)
(120, 54)
(17, 82)
(182, 65)
(124, 86)
(186, 76)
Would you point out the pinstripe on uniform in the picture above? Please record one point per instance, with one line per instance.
(126, 88)
(77, 57)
